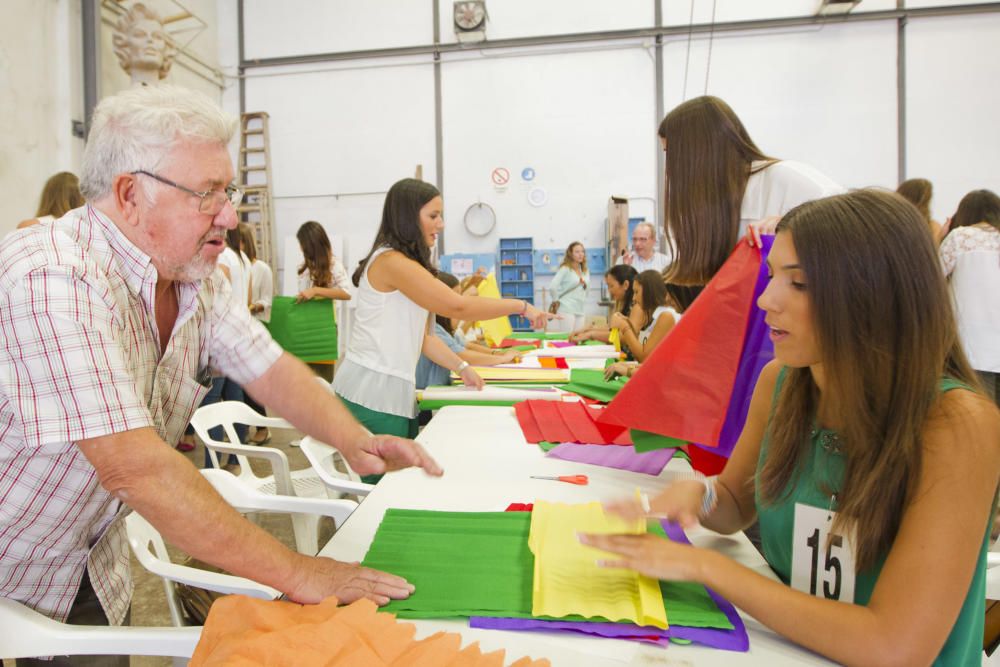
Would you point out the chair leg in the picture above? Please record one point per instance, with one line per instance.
(306, 529)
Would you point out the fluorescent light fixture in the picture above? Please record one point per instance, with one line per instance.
(836, 7)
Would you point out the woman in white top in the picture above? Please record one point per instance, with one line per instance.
(320, 274)
(719, 186)
(970, 257)
(396, 292)
(261, 295)
(569, 287)
(261, 277)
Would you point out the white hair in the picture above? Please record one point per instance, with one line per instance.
(650, 226)
(136, 129)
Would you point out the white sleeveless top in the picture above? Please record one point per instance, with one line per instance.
(379, 367)
(645, 333)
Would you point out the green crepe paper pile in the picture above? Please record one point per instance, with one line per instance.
(306, 330)
(478, 564)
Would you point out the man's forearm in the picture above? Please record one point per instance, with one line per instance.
(292, 390)
(154, 480)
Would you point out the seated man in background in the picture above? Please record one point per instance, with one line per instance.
(111, 318)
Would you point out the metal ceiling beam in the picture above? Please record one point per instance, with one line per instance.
(610, 35)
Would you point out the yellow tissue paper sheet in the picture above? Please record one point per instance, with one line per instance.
(567, 579)
(497, 329)
(615, 338)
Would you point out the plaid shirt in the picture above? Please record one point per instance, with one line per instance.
(80, 358)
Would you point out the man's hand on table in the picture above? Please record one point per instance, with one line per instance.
(321, 577)
(377, 454)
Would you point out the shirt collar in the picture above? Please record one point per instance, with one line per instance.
(137, 267)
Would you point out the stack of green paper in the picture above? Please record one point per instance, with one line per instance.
(591, 384)
(538, 335)
(306, 330)
(479, 564)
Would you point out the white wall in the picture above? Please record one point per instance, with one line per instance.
(41, 89)
(583, 115)
(832, 105)
(952, 127)
(40, 95)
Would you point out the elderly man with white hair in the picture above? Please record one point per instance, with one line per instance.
(110, 319)
(643, 255)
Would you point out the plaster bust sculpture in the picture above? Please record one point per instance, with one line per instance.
(141, 45)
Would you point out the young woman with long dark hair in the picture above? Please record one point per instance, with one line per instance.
(870, 455)
(720, 186)
(620, 280)
(320, 274)
(397, 290)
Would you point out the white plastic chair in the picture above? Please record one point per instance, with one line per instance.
(151, 552)
(28, 634)
(323, 458)
(282, 481)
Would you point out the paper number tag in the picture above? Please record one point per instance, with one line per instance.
(822, 565)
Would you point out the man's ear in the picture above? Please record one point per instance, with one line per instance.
(126, 195)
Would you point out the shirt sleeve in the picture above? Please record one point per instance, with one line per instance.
(65, 371)
(239, 346)
(448, 339)
(340, 278)
(949, 253)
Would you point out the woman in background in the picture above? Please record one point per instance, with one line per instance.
(320, 274)
(919, 192)
(569, 287)
(720, 186)
(620, 280)
(60, 195)
(970, 257)
(261, 294)
(656, 316)
(869, 450)
(397, 289)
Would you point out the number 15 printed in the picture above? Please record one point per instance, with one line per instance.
(822, 564)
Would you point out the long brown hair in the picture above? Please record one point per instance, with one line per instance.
(654, 294)
(709, 157)
(918, 191)
(887, 335)
(400, 227)
(248, 240)
(60, 195)
(316, 253)
(975, 207)
(567, 259)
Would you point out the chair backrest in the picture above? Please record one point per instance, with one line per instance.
(322, 458)
(27, 634)
(229, 413)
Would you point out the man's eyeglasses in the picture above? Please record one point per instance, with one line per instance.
(212, 201)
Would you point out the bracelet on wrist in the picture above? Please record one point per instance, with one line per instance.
(524, 307)
(710, 500)
(461, 367)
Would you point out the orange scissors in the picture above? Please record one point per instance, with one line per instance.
(571, 479)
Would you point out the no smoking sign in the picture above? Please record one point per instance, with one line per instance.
(500, 177)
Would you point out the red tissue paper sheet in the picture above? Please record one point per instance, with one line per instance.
(683, 389)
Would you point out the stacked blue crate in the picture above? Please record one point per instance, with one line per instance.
(517, 276)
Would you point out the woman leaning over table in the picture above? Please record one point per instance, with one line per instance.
(870, 455)
(396, 292)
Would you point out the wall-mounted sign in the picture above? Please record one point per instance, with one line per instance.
(500, 176)
(527, 174)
